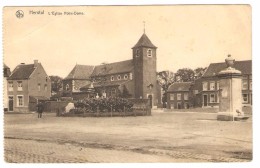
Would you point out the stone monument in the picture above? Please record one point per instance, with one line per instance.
(230, 100)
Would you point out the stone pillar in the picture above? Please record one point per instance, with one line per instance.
(230, 100)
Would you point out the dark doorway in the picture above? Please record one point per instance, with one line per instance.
(11, 103)
(179, 105)
(150, 97)
(205, 100)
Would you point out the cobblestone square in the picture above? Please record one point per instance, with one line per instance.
(162, 137)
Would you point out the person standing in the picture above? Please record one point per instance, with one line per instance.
(40, 109)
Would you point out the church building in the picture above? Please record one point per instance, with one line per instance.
(134, 78)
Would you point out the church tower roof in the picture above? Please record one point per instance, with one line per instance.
(144, 41)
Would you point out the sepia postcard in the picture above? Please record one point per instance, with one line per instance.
(127, 84)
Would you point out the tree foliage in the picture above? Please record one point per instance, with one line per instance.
(184, 75)
(165, 79)
(125, 93)
(56, 84)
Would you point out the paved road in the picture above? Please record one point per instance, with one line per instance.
(30, 151)
(35, 151)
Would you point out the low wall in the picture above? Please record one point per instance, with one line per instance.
(53, 106)
(141, 105)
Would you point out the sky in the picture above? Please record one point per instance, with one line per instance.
(187, 36)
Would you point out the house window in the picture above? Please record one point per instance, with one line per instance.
(67, 87)
(212, 98)
(205, 86)
(137, 53)
(149, 53)
(39, 87)
(118, 77)
(20, 102)
(179, 96)
(46, 79)
(10, 86)
(186, 96)
(250, 85)
(244, 85)
(125, 76)
(112, 78)
(19, 85)
(45, 87)
(212, 85)
(172, 96)
(217, 85)
(245, 98)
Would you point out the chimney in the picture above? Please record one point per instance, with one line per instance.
(35, 63)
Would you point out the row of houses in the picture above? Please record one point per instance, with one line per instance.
(205, 92)
(135, 78)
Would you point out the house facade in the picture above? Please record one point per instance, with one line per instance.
(6, 73)
(210, 83)
(27, 84)
(178, 95)
(135, 78)
(204, 92)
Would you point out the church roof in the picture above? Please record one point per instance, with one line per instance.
(105, 84)
(144, 41)
(22, 71)
(180, 86)
(244, 66)
(113, 68)
(80, 72)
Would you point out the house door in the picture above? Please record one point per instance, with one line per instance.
(205, 100)
(179, 105)
(11, 103)
(150, 97)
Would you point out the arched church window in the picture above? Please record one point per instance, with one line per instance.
(137, 52)
(125, 76)
(112, 78)
(67, 87)
(149, 53)
(118, 77)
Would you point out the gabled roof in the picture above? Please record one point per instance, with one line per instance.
(80, 72)
(244, 66)
(6, 67)
(7, 71)
(144, 41)
(180, 86)
(113, 68)
(22, 72)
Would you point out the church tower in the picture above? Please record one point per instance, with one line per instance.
(144, 60)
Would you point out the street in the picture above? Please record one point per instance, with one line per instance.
(162, 137)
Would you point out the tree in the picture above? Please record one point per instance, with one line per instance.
(184, 75)
(165, 79)
(199, 72)
(56, 84)
(125, 93)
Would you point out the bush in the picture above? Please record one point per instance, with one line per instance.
(103, 104)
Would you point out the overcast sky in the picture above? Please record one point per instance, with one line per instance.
(186, 36)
